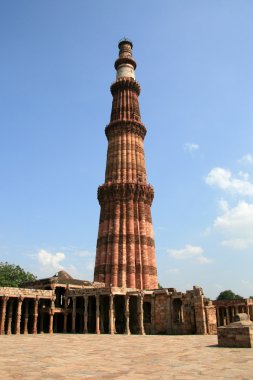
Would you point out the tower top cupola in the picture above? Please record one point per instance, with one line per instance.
(125, 64)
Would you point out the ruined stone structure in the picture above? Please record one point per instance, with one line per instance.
(61, 304)
(227, 309)
(239, 333)
(125, 246)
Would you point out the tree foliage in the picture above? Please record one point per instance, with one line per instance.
(13, 275)
(228, 295)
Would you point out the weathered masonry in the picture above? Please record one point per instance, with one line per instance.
(125, 254)
(24, 311)
(227, 309)
(61, 304)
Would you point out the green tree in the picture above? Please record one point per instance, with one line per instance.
(13, 275)
(228, 295)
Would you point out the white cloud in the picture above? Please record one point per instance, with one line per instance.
(191, 147)
(237, 225)
(50, 260)
(189, 252)
(223, 205)
(236, 244)
(223, 179)
(247, 159)
(84, 253)
(243, 175)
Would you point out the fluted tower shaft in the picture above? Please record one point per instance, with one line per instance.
(125, 255)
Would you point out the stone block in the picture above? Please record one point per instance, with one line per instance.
(237, 334)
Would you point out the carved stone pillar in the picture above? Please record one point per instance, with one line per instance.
(236, 309)
(51, 317)
(140, 314)
(112, 323)
(9, 317)
(85, 317)
(218, 316)
(3, 315)
(35, 315)
(51, 322)
(26, 316)
(127, 330)
(222, 316)
(227, 316)
(233, 313)
(18, 317)
(73, 329)
(153, 313)
(97, 314)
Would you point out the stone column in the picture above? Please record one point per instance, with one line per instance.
(227, 316)
(9, 317)
(3, 315)
(222, 317)
(51, 322)
(51, 317)
(236, 309)
(218, 315)
(127, 330)
(18, 318)
(97, 314)
(140, 314)
(181, 313)
(35, 315)
(112, 323)
(26, 316)
(233, 313)
(73, 329)
(85, 317)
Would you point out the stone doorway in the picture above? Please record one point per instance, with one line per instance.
(92, 315)
(119, 310)
(104, 314)
(133, 315)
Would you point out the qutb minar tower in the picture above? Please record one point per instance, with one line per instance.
(125, 254)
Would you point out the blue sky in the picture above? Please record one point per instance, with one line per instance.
(194, 64)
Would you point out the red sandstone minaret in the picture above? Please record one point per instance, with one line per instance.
(125, 254)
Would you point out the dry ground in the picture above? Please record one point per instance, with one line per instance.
(121, 357)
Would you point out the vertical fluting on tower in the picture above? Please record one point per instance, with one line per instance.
(125, 255)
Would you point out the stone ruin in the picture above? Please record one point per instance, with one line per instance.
(238, 333)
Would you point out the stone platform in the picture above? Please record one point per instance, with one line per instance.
(90, 357)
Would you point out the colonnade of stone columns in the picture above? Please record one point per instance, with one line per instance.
(11, 312)
(99, 314)
(225, 314)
